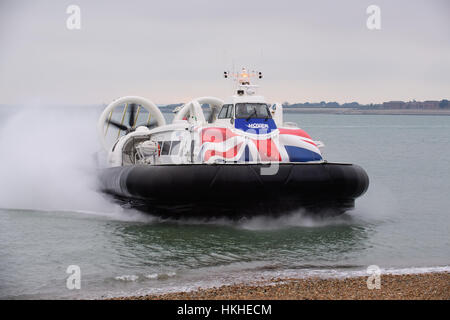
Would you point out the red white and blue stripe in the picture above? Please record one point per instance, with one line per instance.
(280, 145)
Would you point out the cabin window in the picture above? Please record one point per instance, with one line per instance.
(226, 111)
(165, 148)
(169, 147)
(252, 110)
(175, 147)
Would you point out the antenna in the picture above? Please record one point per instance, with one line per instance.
(243, 79)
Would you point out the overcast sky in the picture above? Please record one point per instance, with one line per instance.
(173, 51)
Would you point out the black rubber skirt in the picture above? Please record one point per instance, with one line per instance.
(236, 190)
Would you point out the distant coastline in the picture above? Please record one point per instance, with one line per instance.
(429, 107)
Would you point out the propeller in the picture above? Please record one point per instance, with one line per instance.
(131, 117)
(131, 121)
(118, 125)
(151, 125)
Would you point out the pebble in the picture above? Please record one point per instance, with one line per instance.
(427, 286)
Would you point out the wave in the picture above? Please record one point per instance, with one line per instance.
(268, 277)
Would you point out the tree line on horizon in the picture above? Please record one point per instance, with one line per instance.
(429, 104)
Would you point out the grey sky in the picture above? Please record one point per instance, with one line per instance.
(171, 51)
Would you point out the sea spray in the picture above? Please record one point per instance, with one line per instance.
(298, 218)
(47, 161)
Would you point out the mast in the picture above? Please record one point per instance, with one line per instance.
(243, 79)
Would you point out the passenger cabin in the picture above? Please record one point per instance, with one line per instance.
(177, 142)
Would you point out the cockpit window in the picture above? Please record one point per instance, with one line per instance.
(226, 111)
(230, 111)
(252, 110)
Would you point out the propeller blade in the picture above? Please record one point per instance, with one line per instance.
(118, 125)
(132, 112)
(151, 125)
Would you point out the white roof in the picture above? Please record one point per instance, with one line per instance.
(245, 98)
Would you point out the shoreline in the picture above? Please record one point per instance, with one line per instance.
(417, 286)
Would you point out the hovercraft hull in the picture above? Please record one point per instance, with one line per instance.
(236, 190)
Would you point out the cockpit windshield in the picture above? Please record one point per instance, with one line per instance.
(252, 110)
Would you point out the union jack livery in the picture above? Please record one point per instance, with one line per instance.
(286, 145)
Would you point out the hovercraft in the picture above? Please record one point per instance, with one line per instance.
(220, 158)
